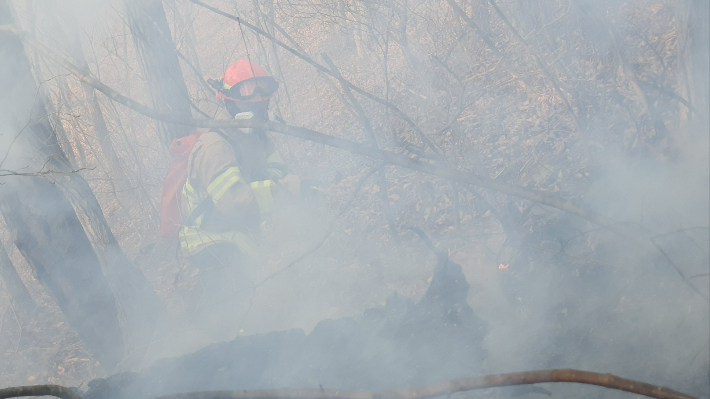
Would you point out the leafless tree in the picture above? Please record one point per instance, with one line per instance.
(156, 52)
(59, 226)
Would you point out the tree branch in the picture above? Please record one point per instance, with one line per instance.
(320, 243)
(328, 72)
(545, 70)
(5, 173)
(481, 34)
(489, 43)
(454, 386)
(38, 390)
(365, 121)
(337, 142)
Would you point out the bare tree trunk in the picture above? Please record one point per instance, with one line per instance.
(700, 32)
(65, 26)
(58, 128)
(46, 229)
(104, 306)
(138, 304)
(186, 31)
(158, 57)
(693, 57)
(137, 300)
(50, 237)
(13, 283)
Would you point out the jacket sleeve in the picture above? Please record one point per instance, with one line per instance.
(275, 166)
(216, 165)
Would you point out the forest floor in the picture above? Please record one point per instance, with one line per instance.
(42, 347)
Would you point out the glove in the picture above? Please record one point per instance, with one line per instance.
(291, 184)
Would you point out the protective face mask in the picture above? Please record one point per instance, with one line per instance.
(242, 116)
(249, 115)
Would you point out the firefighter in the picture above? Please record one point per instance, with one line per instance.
(233, 177)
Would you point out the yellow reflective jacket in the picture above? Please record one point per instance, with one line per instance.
(228, 189)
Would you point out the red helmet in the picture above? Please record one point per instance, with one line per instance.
(245, 81)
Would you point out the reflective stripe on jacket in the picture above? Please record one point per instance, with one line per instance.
(275, 166)
(233, 213)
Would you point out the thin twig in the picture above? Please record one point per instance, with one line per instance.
(327, 234)
(677, 269)
(327, 71)
(545, 70)
(365, 121)
(670, 93)
(481, 34)
(5, 173)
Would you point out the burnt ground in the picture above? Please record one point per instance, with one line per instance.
(400, 344)
(555, 321)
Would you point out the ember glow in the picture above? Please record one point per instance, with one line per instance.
(502, 266)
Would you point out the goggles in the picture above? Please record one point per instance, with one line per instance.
(258, 88)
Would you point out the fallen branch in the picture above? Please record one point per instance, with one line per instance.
(447, 388)
(332, 141)
(38, 390)
(355, 148)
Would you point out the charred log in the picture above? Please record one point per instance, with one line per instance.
(400, 344)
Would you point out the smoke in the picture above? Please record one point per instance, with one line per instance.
(585, 101)
(633, 303)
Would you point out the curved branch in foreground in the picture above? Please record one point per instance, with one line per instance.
(38, 390)
(454, 386)
(445, 388)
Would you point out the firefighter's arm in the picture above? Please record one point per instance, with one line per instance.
(275, 166)
(217, 167)
(289, 185)
(276, 169)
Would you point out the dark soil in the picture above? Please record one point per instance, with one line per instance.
(400, 344)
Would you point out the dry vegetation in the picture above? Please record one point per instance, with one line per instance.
(564, 86)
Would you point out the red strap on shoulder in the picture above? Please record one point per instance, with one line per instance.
(181, 147)
(170, 208)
